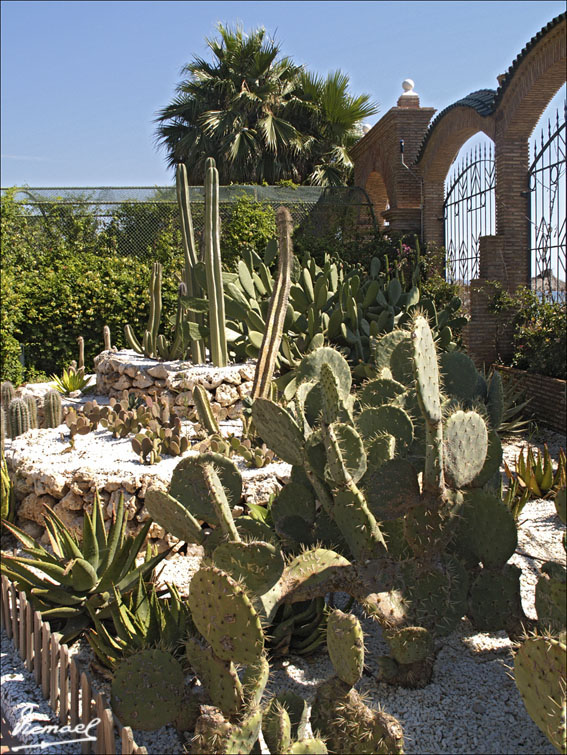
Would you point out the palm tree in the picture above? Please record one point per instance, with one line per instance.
(261, 116)
(236, 110)
(332, 120)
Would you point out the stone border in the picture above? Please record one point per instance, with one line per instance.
(126, 370)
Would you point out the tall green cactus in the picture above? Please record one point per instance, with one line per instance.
(215, 294)
(8, 392)
(277, 309)
(190, 254)
(149, 341)
(52, 409)
(19, 417)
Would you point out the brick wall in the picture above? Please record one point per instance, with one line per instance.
(548, 396)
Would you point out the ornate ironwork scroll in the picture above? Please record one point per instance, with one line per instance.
(547, 211)
(468, 212)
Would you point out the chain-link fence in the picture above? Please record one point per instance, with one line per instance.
(145, 222)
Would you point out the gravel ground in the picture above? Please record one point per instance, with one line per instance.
(472, 704)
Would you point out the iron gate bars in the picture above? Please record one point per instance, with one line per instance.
(468, 212)
(546, 179)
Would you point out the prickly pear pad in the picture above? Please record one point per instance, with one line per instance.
(258, 564)
(345, 643)
(310, 368)
(309, 567)
(147, 690)
(225, 616)
(242, 737)
(386, 419)
(278, 430)
(539, 670)
(308, 746)
(219, 677)
(466, 444)
(189, 488)
(426, 370)
(487, 529)
(169, 513)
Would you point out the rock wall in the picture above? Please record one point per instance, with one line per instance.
(47, 472)
(119, 371)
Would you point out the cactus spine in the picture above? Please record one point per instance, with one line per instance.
(191, 285)
(277, 310)
(217, 337)
(19, 417)
(52, 409)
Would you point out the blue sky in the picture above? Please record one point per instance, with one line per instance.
(82, 81)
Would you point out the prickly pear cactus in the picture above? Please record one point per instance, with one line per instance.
(225, 616)
(540, 673)
(348, 725)
(345, 643)
(147, 690)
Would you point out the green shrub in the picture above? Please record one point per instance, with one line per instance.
(540, 328)
(77, 296)
(250, 226)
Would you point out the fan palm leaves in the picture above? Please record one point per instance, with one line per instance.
(332, 116)
(235, 110)
(262, 117)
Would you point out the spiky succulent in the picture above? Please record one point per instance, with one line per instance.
(71, 380)
(80, 576)
(140, 620)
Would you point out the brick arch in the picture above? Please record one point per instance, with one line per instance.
(447, 136)
(531, 82)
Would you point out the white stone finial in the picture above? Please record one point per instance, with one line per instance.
(408, 98)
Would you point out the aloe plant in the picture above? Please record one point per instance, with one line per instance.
(80, 576)
(73, 379)
(140, 620)
(534, 472)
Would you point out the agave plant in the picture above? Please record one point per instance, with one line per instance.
(80, 577)
(140, 620)
(534, 472)
(72, 380)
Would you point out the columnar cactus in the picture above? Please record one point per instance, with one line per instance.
(52, 409)
(19, 417)
(8, 392)
(190, 252)
(277, 309)
(106, 338)
(204, 410)
(215, 293)
(32, 406)
(81, 344)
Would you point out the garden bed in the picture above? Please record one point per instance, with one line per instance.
(47, 471)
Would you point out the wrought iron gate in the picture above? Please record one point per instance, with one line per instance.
(468, 212)
(547, 211)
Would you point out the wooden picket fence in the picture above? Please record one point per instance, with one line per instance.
(68, 691)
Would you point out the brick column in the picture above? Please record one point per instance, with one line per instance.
(433, 226)
(379, 165)
(512, 210)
